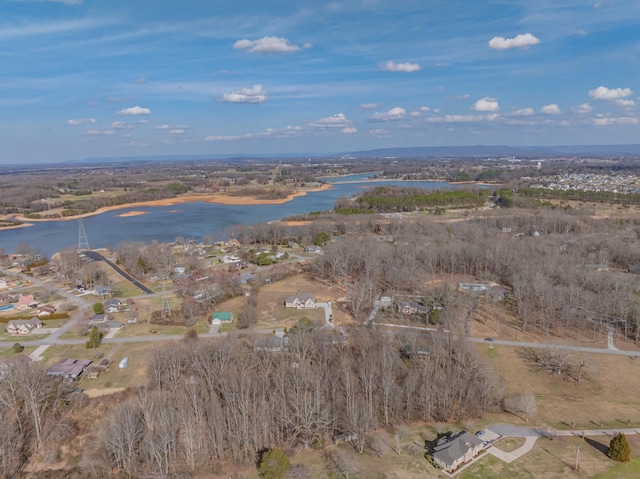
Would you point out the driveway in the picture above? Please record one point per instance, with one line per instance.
(328, 314)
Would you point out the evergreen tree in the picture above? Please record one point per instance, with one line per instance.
(94, 338)
(274, 464)
(98, 308)
(619, 449)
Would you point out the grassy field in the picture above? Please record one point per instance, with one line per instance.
(555, 459)
(608, 394)
(132, 376)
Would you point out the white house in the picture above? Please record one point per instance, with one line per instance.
(300, 301)
(23, 327)
(112, 305)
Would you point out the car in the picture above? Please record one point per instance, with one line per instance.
(488, 339)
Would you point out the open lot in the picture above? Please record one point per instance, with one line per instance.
(609, 392)
(555, 459)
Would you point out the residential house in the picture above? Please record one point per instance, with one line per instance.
(101, 291)
(409, 308)
(114, 324)
(112, 305)
(473, 287)
(99, 320)
(221, 317)
(300, 301)
(26, 301)
(23, 327)
(3, 283)
(46, 310)
(273, 343)
(313, 250)
(451, 452)
(68, 369)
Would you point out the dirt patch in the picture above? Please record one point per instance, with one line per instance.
(96, 393)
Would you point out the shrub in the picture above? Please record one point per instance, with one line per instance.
(274, 464)
(619, 449)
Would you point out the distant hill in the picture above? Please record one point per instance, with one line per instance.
(475, 151)
(497, 151)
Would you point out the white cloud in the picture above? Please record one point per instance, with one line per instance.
(604, 93)
(222, 137)
(253, 95)
(349, 130)
(334, 121)
(519, 41)
(282, 133)
(425, 108)
(582, 109)
(486, 104)
(620, 120)
(143, 121)
(625, 103)
(100, 132)
(135, 110)
(528, 111)
(462, 118)
(370, 106)
(80, 121)
(177, 131)
(379, 132)
(268, 45)
(415, 114)
(162, 127)
(396, 113)
(121, 125)
(551, 109)
(392, 66)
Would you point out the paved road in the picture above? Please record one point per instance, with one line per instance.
(563, 347)
(96, 256)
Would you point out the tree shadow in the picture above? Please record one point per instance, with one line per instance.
(570, 466)
(603, 448)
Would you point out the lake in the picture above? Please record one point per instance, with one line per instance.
(189, 220)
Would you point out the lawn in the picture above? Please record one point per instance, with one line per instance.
(608, 395)
(133, 375)
(554, 459)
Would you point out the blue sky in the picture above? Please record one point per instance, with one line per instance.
(99, 78)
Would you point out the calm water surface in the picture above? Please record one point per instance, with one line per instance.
(189, 220)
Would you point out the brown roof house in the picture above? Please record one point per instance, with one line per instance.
(46, 310)
(300, 300)
(451, 452)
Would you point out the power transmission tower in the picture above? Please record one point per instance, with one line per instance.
(166, 308)
(83, 241)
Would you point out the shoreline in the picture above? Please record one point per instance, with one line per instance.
(215, 198)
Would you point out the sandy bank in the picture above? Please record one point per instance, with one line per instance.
(13, 227)
(132, 213)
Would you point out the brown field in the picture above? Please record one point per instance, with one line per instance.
(609, 392)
